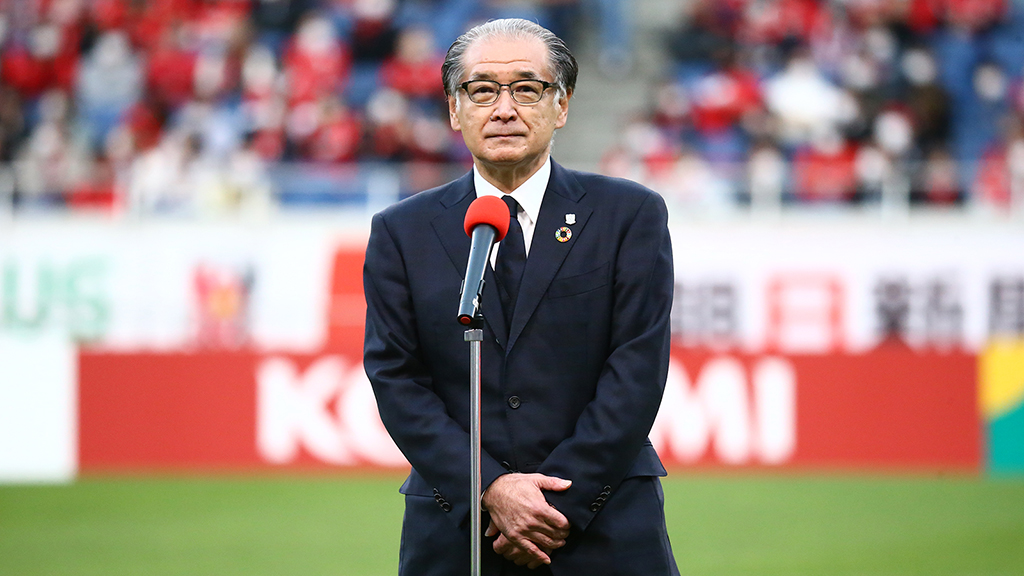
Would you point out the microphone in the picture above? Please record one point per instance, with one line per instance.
(487, 221)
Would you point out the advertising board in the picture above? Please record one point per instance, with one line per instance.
(229, 346)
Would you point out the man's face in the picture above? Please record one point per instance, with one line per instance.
(506, 134)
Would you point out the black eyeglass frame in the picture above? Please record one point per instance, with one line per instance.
(511, 92)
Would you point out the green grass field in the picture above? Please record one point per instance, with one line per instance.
(349, 526)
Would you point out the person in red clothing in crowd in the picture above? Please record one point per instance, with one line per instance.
(338, 135)
(145, 121)
(48, 59)
(315, 62)
(824, 171)
(316, 69)
(999, 180)
(219, 21)
(975, 15)
(170, 67)
(725, 97)
(109, 14)
(778, 21)
(412, 69)
(397, 129)
(925, 16)
(146, 22)
(992, 186)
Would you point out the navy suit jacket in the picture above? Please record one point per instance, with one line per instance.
(570, 389)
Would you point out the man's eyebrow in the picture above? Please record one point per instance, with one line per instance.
(527, 74)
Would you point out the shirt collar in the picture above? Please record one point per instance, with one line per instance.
(529, 195)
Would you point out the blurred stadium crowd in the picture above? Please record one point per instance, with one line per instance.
(212, 106)
(841, 102)
(182, 106)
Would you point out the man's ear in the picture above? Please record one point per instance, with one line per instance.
(563, 109)
(453, 116)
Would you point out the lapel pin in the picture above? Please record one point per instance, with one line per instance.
(570, 219)
(563, 234)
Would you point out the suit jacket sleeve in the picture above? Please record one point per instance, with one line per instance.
(613, 427)
(415, 416)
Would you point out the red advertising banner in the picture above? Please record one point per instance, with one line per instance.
(891, 408)
(152, 411)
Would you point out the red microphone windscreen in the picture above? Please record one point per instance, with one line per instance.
(488, 210)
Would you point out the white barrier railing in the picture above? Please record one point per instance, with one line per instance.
(766, 185)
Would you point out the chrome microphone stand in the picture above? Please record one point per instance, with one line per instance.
(487, 225)
(474, 336)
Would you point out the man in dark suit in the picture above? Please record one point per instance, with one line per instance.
(576, 336)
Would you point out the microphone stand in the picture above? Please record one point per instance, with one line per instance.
(483, 233)
(474, 335)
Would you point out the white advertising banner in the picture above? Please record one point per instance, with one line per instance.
(801, 286)
(38, 408)
(827, 286)
(171, 285)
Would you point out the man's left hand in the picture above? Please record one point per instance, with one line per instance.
(529, 527)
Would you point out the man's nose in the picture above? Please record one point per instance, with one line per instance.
(505, 107)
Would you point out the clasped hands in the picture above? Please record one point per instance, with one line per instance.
(527, 526)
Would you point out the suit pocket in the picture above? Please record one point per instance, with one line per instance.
(580, 283)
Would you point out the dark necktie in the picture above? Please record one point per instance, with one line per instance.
(508, 270)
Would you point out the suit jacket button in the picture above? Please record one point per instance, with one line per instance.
(595, 506)
(446, 507)
(514, 402)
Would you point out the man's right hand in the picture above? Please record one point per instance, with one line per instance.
(530, 527)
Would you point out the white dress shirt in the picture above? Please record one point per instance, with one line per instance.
(529, 195)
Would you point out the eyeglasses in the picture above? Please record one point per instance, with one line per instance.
(486, 92)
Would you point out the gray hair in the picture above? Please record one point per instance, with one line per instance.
(560, 59)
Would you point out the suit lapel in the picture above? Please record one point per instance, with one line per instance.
(449, 227)
(563, 196)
